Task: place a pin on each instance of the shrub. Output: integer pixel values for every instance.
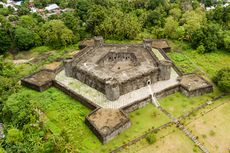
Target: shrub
(222, 79)
(212, 133)
(14, 136)
(201, 49)
(151, 138)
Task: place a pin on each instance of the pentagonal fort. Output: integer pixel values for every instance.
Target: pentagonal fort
(116, 70)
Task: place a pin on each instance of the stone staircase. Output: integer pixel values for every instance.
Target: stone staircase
(193, 138)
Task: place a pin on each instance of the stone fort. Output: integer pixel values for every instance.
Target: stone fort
(116, 70)
(115, 79)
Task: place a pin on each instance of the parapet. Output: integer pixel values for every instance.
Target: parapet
(165, 69)
(68, 66)
(147, 43)
(98, 41)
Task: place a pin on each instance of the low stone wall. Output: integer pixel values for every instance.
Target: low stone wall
(196, 92)
(116, 130)
(33, 84)
(168, 91)
(136, 105)
(173, 65)
(141, 103)
(76, 96)
(36, 87)
(93, 128)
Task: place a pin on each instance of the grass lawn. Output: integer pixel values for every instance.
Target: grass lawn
(177, 104)
(188, 60)
(63, 112)
(212, 128)
(170, 140)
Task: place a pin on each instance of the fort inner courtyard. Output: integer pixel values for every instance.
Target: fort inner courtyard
(115, 79)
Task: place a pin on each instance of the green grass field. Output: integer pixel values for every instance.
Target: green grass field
(168, 140)
(211, 125)
(189, 61)
(64, 113)
(177, 104)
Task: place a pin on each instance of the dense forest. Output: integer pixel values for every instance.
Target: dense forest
(187, 21)
(116, 19)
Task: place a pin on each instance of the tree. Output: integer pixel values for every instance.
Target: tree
(27, 21)
(176, 13)
(209, 36)
(5, 41)
(222, 79)
(170, 28)
(6, 35)
(56, 34)
(151, 138)
(73, 23)
(226, 39)
(22, 10)
(192, 21)
(118, 25)
(24, 38)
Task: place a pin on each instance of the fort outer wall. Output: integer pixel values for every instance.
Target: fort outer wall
(113, 89)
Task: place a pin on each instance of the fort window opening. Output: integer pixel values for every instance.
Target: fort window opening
(148, 82)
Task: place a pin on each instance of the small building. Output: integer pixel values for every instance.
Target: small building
(210, 8)
(226, 5)
(161, 44)
(19, 3)
(52, 7)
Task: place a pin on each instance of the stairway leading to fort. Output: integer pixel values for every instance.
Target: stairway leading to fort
(153, 98)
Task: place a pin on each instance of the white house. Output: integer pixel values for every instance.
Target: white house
(52, 7)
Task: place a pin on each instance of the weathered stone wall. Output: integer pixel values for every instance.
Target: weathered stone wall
(141, 103)
(88, 79)
(139, 82)
(136, 105)
(165, 70)
(173, 65)
(168, 91)
(102, 137)
(116, 132)
(112, 90)
(68, 64)
(37, 87)
(86, 102)
(116, 57)
(196, 92)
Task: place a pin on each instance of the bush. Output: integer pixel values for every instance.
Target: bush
(151, 138)
(212, 133)
(14, 136)
(201, 49)
(222, 79)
